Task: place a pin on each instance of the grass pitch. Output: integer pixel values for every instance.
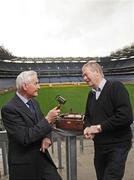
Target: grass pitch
(76, 97)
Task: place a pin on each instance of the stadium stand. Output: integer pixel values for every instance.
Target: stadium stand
(119, 65)
(58, 72)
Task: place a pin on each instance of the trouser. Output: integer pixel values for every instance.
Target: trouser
(109, 160)
(50, 172)
(43, 170)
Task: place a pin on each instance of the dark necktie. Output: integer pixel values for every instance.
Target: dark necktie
(32, 108)
(96, 90)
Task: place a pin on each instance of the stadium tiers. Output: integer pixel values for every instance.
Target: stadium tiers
(49, 60)
(60, 71)
(10, 82)
(57, 67)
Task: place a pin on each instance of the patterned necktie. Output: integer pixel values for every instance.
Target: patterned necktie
(31, 106)
(32, 109)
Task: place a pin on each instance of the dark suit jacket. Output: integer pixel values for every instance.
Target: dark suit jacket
(25, 134)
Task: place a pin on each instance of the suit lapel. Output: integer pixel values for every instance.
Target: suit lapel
(22, 106)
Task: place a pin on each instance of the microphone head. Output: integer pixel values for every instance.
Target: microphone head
(60, 99)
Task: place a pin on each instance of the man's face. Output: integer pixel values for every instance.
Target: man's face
(90, 77)
(31, 88)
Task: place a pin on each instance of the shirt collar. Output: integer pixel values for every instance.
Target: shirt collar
(102, 83)
(22, 97)
(100, 87)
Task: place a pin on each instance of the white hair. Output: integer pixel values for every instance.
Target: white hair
(93, 66)
(24, 77)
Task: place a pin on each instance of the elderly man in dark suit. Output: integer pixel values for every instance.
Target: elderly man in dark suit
(28, 132)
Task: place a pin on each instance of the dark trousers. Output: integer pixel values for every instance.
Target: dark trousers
(50, 172)
(109, 160)
(45, 170)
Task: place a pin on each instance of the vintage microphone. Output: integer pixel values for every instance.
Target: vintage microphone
(60, 100)
(73, 121)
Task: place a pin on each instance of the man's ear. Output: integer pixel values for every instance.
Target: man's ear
(24, 86)
(97, 72)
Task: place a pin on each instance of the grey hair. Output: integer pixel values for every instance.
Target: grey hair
(24, 77)
(93, 66)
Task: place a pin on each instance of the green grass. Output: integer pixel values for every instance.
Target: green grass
(76, 98)
(130, 88)
(5, 97)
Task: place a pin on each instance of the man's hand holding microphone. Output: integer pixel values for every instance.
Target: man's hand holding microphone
(52, 115)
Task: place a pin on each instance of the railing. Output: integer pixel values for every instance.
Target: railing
(4, 147)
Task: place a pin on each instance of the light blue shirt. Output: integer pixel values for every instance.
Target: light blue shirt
(100, 87)
(22, 98)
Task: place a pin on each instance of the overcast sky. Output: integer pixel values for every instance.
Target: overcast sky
(55, 28)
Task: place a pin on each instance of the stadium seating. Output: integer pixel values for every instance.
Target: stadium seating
(59, 70)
